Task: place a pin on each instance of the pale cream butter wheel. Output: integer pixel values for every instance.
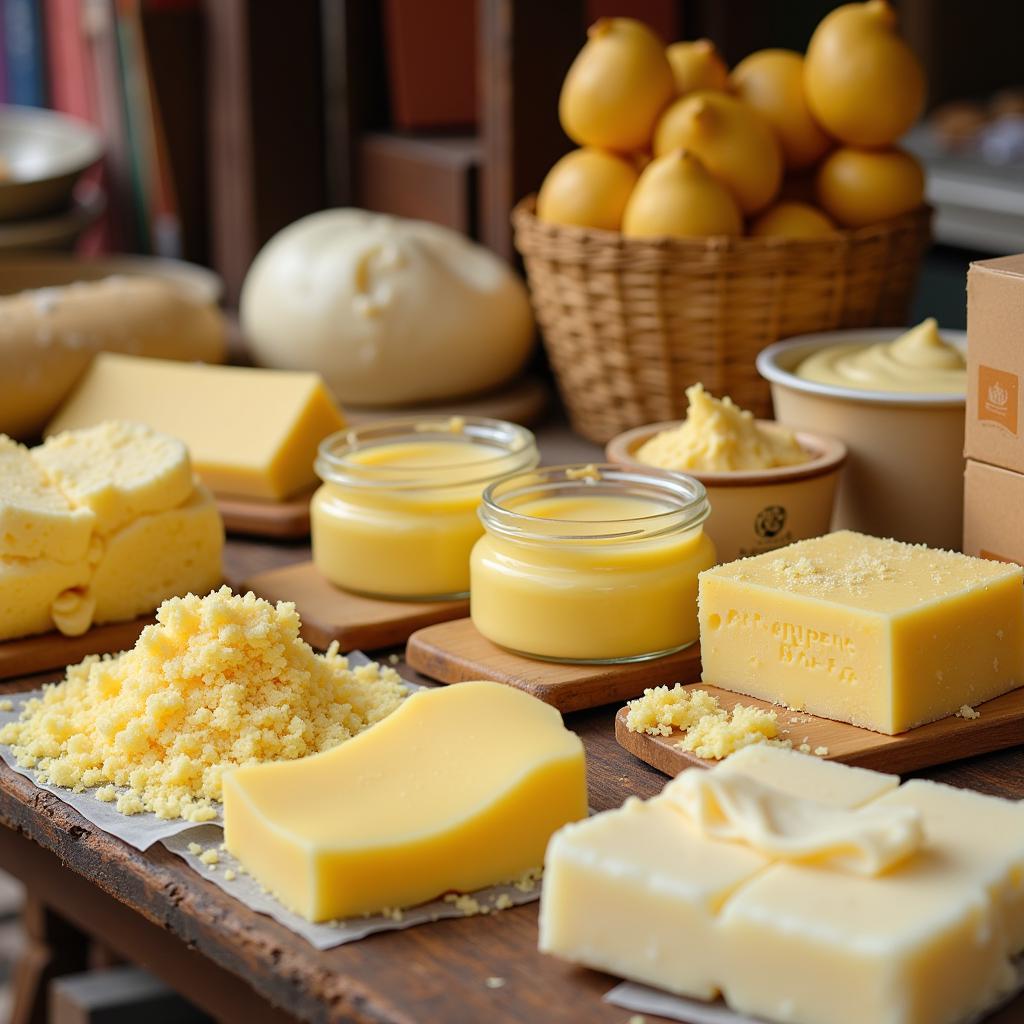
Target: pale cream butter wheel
(389, 311)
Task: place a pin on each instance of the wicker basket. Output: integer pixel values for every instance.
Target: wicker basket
(629, 324)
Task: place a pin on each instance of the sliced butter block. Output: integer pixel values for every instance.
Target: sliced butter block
(877, 633)
(916, 945)
(636, 892)
(827, 782)
(29, 590)
(984, 833)
(901, 909)
(459, 788)
(623, 888)
(117, 470)
(252, 433)
(36, 520)
(178, 549)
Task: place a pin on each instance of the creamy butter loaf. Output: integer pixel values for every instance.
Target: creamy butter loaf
(874, 632)
(101, 525)
(48, 337)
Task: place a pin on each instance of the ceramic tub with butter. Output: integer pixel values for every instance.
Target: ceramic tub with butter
(905, 471)
(757, 510)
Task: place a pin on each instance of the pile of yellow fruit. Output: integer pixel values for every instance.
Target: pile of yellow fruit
(786, 144)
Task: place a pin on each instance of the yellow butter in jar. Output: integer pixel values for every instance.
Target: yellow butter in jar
(396, 516)
(591, 564)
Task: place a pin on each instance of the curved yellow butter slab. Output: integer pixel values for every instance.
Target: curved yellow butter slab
(458, 789)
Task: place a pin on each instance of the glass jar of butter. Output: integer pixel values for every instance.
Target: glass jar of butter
(396, 514)
(590, 563)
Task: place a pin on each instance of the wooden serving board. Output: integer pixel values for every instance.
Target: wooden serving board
(455, 652)
(279, 519)
(1001, 725)
(29, 654)
(329, 613)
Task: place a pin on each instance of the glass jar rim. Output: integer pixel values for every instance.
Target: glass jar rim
(687, 493)
(513, 449)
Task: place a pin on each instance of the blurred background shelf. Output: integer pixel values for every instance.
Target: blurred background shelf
(444, 110)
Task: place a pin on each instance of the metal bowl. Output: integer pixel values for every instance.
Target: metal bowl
(42, 156)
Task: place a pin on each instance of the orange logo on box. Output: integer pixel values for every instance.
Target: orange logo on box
(997, 397)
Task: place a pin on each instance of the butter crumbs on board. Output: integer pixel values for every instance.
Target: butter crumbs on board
(216, 682)
(709, 731)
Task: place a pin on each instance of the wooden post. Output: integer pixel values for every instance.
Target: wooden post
(526, 46)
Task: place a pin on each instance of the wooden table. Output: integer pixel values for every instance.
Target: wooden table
(237, 965)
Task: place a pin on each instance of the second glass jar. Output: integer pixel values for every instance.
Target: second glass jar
(591, 563)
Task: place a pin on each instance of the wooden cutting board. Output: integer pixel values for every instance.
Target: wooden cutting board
(329, 613)
(29, 654)
(1001, 725)
(279, 519)
(455, 652)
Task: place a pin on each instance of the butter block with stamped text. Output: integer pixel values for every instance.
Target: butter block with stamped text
(884, 635)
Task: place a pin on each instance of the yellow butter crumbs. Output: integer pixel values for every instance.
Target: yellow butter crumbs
(216, 682)
(967, 712)
(709, 731)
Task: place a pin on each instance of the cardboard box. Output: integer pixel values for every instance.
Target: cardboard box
(993, 525)
(995, 362)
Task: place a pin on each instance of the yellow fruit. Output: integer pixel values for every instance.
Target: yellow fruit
(733, 140)
(863, 83)
(617, 86)
(697, 65)
(587, 187)
(677, 196)
(772, 82)
(640, 158)
(792, 220)
(864, 186)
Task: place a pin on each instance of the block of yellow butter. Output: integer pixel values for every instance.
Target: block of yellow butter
(458, 789)
(250, 432)
(101, 525)
(895, 906)
(637, 891)
(874, 632)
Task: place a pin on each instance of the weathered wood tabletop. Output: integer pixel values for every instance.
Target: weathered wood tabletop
(240, 966)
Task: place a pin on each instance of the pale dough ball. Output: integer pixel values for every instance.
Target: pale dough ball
(390, 311)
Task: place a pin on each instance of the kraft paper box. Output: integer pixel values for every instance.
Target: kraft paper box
(993, 525)
(995, 362)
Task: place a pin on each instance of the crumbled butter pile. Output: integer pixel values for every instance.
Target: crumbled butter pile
(217, 682)
(718, 436)
(709, 731)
